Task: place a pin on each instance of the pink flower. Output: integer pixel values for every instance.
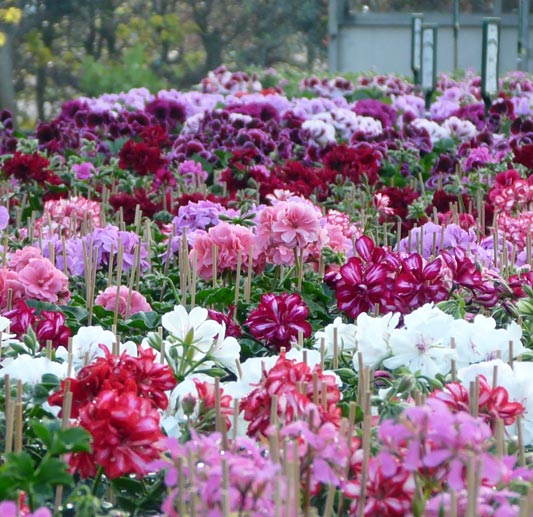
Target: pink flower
(9, 280)
(230, 239)
(42, 281)
(20, 259)
(278, 319)
(109, 300)
(83, 170)
(297, 224)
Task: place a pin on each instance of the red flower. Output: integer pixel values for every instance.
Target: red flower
(278, 319)
(355, 161)
(26, 167)
(52, 327)
(232, 328)
(140, 157)
(125, 435)
(493, 402)
(140, 375)
(292, 383)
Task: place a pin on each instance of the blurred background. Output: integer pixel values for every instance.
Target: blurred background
(53, 50)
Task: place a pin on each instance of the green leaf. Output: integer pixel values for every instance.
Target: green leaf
(74, 439)
(53, 471)
(42, 432)
(20, 465)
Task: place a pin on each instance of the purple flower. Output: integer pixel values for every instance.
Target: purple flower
(83, 170)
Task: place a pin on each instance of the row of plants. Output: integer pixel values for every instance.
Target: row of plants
(230, 301)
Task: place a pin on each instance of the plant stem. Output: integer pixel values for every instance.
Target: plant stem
(97, 479)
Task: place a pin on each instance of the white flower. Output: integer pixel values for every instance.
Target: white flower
(480, 340)
(225, 350)
(461, 129)
(320, 133)
(30, 369)
(86, 345)
(372, 337)
(424, 344)
(192, 328)
(345, 338)
(436, 131)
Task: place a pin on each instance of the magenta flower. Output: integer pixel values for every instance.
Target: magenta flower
(278, 319)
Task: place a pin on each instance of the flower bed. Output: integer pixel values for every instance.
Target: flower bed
(232, 302)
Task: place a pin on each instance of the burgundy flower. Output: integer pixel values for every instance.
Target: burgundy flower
(51, 327)
(354, 162)
(22, 318)
(140, 157)
(278, 319)
(524, 155)
(233, 329)
(26, 167)
(418, 283)
(366, 282)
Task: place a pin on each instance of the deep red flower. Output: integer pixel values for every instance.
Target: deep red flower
(292, 383)
(129, 202)
(355, 161)
(25, 167)
(278, 319)
(141, 157)
(233, 329)
(126, 436)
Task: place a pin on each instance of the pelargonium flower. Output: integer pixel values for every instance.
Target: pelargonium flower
(366, 282)
(125, 435)
(124, 301)
(140, 375)
(51, 327)
(493, 403)
(389, 488)
(254, 480)
(283, 380)
(279, 319)
(342, 333)
(438, 444)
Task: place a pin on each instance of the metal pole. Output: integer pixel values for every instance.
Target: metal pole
(523, 35)
(455, 35)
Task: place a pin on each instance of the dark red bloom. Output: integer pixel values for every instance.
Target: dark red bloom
(355, 161)
(140, 157)
(51, 326)
(25, 167)
(233, 329)
(126, 435)
(278, 319)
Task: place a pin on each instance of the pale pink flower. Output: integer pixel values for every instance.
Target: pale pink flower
(68, 216)
(230, 239)
(109, 300)
(42, 281)
(20, 259)
(297, 224)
